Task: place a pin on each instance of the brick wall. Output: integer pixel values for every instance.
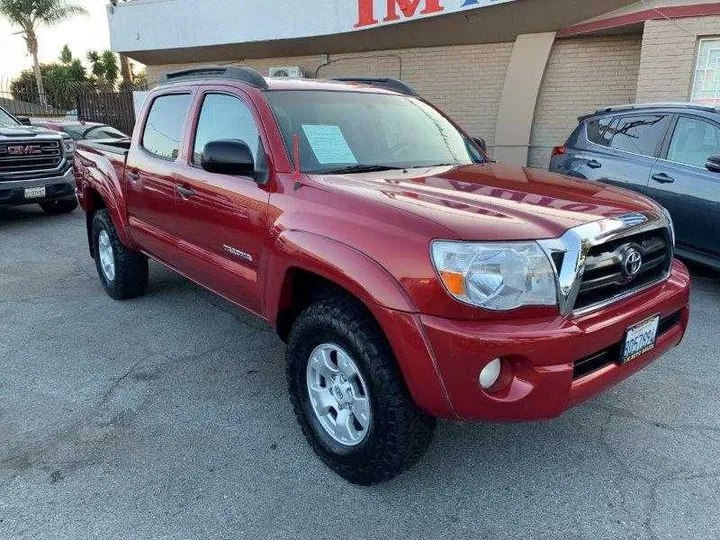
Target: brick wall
(668, 57)
(466, 81)
(582, 74)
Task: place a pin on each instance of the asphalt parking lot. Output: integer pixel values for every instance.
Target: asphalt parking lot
(167, 417)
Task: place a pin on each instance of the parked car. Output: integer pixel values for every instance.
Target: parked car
(411, 277)
(82, 131)
(667, 151)
(35, 166)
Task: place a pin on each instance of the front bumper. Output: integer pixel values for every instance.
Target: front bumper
(543, 372)
(12, 192)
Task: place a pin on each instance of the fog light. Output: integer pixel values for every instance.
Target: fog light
(490, 373)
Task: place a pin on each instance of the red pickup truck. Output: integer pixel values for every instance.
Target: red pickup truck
(411, 277)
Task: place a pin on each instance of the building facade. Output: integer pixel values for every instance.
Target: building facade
(515, 72)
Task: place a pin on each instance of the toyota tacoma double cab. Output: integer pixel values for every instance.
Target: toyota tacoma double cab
(35, 166)
(411, 277)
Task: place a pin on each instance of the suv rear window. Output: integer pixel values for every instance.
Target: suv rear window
(164, 126)
(599, 130)
(637, 134)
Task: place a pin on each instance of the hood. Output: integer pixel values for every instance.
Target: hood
(9, 133)
(492, 201)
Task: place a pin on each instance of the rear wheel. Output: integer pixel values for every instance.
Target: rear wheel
(349, 396)
(123, 272)
(63, 206)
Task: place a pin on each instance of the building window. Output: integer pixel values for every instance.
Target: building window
(706, 88)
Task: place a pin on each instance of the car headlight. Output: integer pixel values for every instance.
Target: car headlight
(68, 146)
(498, 275)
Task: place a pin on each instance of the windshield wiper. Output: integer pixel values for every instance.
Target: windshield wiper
(360, 168)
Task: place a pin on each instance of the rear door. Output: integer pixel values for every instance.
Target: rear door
(682, 184)
(152, 164)
(222, 219)
(620, 149)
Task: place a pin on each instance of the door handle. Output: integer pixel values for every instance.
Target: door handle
(594, 164)
(132, 176)
(184, 192)
(663, 178)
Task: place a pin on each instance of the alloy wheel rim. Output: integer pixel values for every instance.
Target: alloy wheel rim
(338, 394)
(107, 258)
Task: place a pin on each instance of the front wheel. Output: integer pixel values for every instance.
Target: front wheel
(62, 206)
(123, 272)
(349, 396)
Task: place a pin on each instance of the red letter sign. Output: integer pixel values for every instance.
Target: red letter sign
(366, 16)
(409, 7)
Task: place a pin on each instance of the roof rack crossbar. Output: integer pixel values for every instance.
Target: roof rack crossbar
(395, 85)
(235, 73)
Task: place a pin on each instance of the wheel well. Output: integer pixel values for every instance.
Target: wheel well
(299, 290)
(95, 203)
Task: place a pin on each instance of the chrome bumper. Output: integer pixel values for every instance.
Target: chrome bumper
(67, 178)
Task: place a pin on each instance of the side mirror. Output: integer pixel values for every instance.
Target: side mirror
(481, 143)
(24, 120)
(230, 156)
(713, 164)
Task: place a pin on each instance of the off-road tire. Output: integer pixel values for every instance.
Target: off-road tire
(399, 432)
(61, 206)
(131, 267)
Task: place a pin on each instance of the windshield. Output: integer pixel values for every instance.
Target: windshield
(354, 132)
(6, 119)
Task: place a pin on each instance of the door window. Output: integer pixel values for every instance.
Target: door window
(694, 141)
(639, 134)
(226, 117)
(164, 126)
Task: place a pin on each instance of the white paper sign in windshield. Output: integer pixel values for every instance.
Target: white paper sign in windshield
(328, 144)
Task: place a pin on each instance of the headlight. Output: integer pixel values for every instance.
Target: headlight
(496, 276)
(68, 146)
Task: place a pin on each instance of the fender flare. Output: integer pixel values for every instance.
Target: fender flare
(335, 261)
(108, 188)
(377, 289)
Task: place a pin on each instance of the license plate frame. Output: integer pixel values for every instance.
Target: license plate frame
(35, 192)
(639, 339)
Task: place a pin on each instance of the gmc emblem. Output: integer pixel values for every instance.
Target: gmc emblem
(24, 150)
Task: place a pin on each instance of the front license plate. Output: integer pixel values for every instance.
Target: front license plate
(639, 339)
(34, 192)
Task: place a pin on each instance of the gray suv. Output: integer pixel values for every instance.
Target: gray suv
(667, 151)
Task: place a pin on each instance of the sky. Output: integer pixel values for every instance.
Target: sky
(80, 33)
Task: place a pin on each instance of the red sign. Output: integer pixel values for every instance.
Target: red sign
(408, 8)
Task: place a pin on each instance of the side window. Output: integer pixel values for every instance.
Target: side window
(639, 134)
(226, 117)
(600, 130)
(164, 126)
(694, 141)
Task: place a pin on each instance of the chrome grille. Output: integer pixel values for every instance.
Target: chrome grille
(591, 260)
(43, 155)
(604, 278)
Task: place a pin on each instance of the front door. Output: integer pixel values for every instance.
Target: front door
(222, 219)
(150, 176)
(689, 191)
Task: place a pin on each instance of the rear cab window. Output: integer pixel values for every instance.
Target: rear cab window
(163, 131)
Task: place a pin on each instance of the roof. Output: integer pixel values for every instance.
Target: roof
(283, 83)
(648, 106)
(659, 105)
(199, 75)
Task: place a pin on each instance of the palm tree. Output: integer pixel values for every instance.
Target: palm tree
(29, 15)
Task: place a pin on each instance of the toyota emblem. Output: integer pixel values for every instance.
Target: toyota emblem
(631, 262)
